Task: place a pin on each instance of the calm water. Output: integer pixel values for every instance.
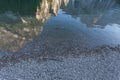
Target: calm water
(61, 24)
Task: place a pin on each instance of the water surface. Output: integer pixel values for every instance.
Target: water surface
(58, 24)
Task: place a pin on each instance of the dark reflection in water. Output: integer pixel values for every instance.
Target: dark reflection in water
(22, 21)
(23, 7)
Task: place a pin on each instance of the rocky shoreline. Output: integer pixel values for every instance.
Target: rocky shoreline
(17, 57)
(100, 63)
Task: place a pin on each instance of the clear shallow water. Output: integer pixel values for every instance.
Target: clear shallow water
(58, 24)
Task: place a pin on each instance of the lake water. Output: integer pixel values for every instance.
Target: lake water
(58, 25)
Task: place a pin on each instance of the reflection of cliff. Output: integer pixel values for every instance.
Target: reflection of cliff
(93, 12)
(19, 25)
(49, 7)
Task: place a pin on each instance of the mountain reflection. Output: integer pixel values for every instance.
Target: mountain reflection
(94, 12)
(22, 21)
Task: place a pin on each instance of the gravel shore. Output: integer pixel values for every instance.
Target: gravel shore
(101, 63)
